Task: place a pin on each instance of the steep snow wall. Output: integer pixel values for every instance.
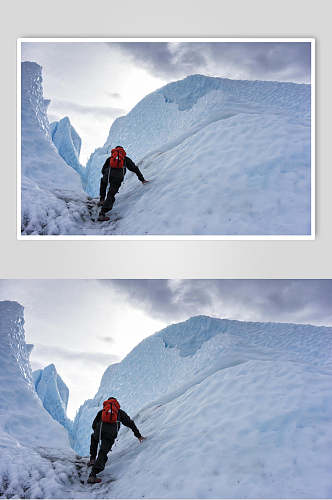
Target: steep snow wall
(182, 355)
(24, 422)
(225, 157)
(53, 393)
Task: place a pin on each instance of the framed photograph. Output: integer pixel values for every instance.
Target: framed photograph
(206, 138)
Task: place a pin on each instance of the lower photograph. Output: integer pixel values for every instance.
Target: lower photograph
(165, 388)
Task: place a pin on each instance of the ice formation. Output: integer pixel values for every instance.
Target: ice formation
(68, 143)
(48, 184)
(225, 157)
(24, 422)
(53, 393)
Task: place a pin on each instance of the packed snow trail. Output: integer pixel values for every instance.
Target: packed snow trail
(226, 157)
(60, 213)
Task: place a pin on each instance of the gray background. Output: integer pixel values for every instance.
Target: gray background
(166, 259)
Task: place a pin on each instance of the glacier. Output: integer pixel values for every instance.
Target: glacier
(52, 198)
(28, 434)
(235, 406)
(225, 157)
(230, 409)
(53, 393)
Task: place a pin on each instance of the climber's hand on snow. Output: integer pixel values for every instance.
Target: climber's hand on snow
(141, 439)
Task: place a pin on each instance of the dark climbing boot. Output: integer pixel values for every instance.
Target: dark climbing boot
(101, 202)
(92, 479)
(91, 462)
(102, 217)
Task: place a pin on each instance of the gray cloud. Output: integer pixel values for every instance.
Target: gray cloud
(114, 95)
(91, 358)
(66, 107)
(302, 301)
(108, 340)
(284, 61)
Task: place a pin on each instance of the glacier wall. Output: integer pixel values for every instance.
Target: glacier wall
(183, 355)
(24, 421)
(180, 108)
(40, 160)
(49, 186)
(226, 157)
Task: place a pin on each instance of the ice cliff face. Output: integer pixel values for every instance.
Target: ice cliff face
(40, 160)
(68, 143)
(225, 157)
(49, 184)
(53, 393)
(183, 355)
(24, 422)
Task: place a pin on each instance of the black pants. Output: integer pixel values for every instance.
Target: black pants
(115, 182)
(105, 448)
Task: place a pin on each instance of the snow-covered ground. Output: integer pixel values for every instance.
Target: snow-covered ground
(225, 157)
(230, 410)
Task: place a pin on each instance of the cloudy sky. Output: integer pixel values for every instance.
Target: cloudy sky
(95, 82)
(82, 326)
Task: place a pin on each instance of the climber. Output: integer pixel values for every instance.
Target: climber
(113, 173)
(105, 429)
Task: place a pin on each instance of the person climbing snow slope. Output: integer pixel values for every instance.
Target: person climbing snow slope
(113, 173)
(105, 429)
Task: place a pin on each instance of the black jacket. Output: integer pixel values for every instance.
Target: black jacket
(112, 429)
(119, 172)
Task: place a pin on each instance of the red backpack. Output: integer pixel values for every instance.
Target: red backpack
(110, 411)
(117, 158)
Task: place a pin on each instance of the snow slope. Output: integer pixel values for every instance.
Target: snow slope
(225, 157)
(231, 410)
(53, 393)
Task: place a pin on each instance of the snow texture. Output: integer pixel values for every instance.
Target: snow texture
(53, 393)
(230, 410)
(225, 157)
